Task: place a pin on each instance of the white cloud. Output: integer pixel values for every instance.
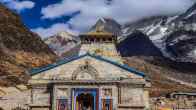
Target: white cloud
(50, 31)
(121, 10)
(60, 9)
(19, 5)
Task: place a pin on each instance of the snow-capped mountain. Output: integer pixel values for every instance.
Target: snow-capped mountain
(174, 36)
(63, 42)
(68, 43)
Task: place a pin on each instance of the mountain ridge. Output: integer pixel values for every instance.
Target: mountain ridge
(160, 29)
(20, 49)
(62, 43)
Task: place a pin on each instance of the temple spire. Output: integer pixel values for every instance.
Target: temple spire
(101, 43)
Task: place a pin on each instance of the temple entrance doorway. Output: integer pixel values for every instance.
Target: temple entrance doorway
(85, 99)
(85, 102)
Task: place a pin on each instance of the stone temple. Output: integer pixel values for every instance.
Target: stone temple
(96, 79)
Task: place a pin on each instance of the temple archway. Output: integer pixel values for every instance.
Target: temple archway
(85, 72)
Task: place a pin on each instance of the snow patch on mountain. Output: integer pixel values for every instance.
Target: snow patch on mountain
(170, 19)
(194, 52)
(191, 14)
(157, 36)
(63, 42)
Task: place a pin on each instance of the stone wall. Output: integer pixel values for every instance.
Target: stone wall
(40, 108)
(132, 98)
(40, 96)
(14, 98)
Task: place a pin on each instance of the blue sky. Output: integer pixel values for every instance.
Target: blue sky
(48, 17)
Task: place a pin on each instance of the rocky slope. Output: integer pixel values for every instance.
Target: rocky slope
(20, 49)
(164, 80)
(137, 44)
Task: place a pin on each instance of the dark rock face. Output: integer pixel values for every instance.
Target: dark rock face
(182, 44)
(138, 44)
(20, 49)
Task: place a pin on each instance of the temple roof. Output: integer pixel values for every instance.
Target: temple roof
(64, 61)
(98, 33)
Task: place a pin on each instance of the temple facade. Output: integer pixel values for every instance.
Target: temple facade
(96, 79)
